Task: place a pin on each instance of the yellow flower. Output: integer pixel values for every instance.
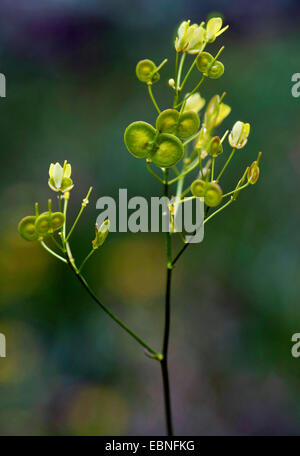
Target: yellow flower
(239, 135)
(194, 103)
(60, 180)
(190, 38)
(214, 29)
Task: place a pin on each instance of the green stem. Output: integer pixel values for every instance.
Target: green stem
(236, 189)
(83, 206)
(153, 173)
(85, 260)
(192, 66)
(184, 173)
(52, 252)
(177, 81)
(191, 138)
(192, 92)
(82, 280)
(164, 361)
(226, 164)
(152, 97)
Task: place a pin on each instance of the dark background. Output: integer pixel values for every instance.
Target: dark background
(71, 91)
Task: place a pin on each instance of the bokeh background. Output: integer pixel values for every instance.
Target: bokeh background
(71, 91)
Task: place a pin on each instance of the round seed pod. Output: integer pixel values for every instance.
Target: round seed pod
(188, 124)
(204, 60)
(197, 187)
(144, 71)
(139, 138)
(43, 225)
(182, 125)
(216, 70)
(26, 228)
(212, 194)
(167, 121)
(168, 150)
(57, 220)
(253, 173)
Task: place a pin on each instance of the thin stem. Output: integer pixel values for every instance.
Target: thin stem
(191, 138)
(184, 173)
(164, 361)
(152, 97)
(192, 66)
(217, 211)
(236, 189)
(226, 164)
(59, 201)
(85, 260)
(213, 168)
(153, 173)
(177, 81)
(52, 252)
(82, 280)
(56, 243)
(83, 205)
(192, 92)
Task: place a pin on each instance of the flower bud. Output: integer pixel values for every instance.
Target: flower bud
(101, 234)
(171, 83)
(215, 147)
(239, 135)
(253, 173)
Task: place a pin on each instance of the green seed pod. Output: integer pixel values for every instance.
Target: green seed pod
(204, 60)
(144, 71)
(168, 150)
(253, 173)
(139, 137)
(167, 121)
(188, 124)
(26, 228)
(215, 147)
(182, 125)
(197, 187)
(216, 70)
(212, 194)
(57, 220)
(43, 224)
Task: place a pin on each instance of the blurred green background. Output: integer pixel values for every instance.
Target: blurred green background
(71, 91)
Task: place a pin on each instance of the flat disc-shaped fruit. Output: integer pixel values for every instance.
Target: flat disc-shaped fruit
(138, 138)
(197, 187)
(216, 70)
(212, 194)
(182, 125)
(204, 60)
(57, 220)
(168, 150)
(43, 224)
(26, 228)
(188, 124)
(144, 71)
